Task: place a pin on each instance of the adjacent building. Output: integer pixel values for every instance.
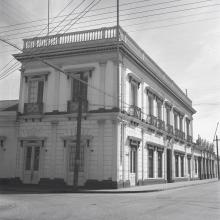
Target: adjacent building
(137, 124)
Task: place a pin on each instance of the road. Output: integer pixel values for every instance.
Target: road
(195, 202)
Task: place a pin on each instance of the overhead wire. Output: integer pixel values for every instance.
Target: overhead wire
(84, 13)
(57, 68)
(97, 9)
(6, 74)
(3, 75)
(122, 10)
(171, 25)
(133, 18)
(69, 14)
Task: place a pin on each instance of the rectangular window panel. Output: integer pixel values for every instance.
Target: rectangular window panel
(133, 160)
(182, 166)
(189, 166)
(151, 107)
(72, 152)
(195, 165)
(28, 158)
(175, 121)
(159, 110)
(76, 84)
(32, 91)
(133, 94)
(36, 158)
(187, 127)
(177, 165)
(151, 163)
(181, 123)
(168, 115)
(40, 91)
(160, 164)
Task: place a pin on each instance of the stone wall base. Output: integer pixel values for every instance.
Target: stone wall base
(52, 182)
(181, 179)
(103, 184)
(10, 181)
(151, 181)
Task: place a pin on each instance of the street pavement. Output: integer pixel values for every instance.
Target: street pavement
(200, 202)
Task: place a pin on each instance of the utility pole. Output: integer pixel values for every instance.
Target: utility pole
(48, 17)
(216, 139)
(217, 156)
(78, 138)
(118, 62)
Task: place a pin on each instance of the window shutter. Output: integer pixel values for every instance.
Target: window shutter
(40, 91)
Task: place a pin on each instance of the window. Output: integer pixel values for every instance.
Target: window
(195, 165)
(134, 89)
(151, 105)
(168, 116)
(177, 165)
(76, 88)
(151, 162)
(187, 126)
(72, 151)
(182, 166)
(189, 166)
(175, 121)
(159, 110)
(35, 91)
(181, 123)
(160, 163)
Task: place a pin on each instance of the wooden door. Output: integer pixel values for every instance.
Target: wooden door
(31, 168)
(133, 166)
(71, 152)
(169, 165)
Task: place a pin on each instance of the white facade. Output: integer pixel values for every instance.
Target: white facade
(136, 123)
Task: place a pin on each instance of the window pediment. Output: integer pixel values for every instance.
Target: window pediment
(87, 71)
(39, 75)
(134, 79)
(178, 112)
(168, 105)
(154, 146)
(153, 93)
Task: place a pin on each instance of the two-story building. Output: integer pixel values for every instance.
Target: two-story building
(136, 126)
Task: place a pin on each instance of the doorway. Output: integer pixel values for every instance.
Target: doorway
(133, 165)
(169, 165)
(71, 153)
(31, 166)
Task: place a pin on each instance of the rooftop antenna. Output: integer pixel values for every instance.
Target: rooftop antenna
(186, 93)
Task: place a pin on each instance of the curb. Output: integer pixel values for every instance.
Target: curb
(9, 190)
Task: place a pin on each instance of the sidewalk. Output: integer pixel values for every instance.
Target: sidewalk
(153, 188)
(137, 189)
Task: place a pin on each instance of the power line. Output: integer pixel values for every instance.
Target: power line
(98, 9)
(84, 13)
(124, 10)
(4, 74)
(6, 65)
(169, 19)
(171, 25)
(93, 15)
(69, 14)
(72, 24)
(134, 18)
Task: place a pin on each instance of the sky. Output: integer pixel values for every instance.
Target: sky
(182, 36)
